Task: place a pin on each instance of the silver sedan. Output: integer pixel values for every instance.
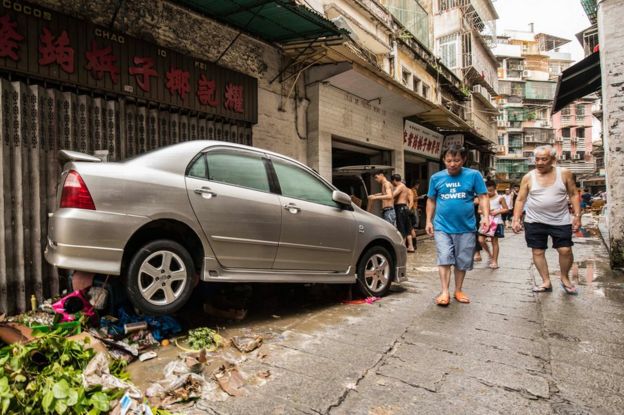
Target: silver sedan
(214, 211)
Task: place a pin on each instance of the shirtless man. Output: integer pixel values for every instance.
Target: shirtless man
(386, 197)
(403, 197)
(545, 193)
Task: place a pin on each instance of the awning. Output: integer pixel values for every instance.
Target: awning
(279, 21)
(579, 80)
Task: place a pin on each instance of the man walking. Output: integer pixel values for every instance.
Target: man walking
(386, 197)
(546, 192)
(402, 198)
(450, 199)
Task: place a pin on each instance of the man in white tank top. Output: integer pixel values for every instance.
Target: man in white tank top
(546, 192)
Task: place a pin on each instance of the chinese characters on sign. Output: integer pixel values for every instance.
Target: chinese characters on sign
(56, 50)
(85, 55)
(9, 38)
(421, 140)
(449, 140)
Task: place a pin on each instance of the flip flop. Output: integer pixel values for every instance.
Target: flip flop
(461, 297)
(492, 266)
(569, 290)
(542, 289)
(442, 300)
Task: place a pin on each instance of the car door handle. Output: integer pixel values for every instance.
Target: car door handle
(205, 192)
(292, 208)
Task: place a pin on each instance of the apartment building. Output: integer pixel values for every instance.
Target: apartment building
(463, 30)
(530, 64)
(573, 137)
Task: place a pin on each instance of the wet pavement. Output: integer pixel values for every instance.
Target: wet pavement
(509, 351)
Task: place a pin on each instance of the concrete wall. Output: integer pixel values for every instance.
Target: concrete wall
(172, 26)
(611, 35)
(338, 114)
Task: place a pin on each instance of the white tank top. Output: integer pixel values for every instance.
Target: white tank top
(548, 205)
(495, 204)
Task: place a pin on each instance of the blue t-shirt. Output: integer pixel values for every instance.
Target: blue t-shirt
(454, 196)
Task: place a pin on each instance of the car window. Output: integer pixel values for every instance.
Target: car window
(199, 168)
(297, 183)
(239, 169)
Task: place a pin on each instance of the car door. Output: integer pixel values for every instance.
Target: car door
(230, 192)
(317, 234)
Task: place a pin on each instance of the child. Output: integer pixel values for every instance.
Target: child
(498, 207)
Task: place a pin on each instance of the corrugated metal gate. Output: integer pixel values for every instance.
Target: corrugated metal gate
(36, 122)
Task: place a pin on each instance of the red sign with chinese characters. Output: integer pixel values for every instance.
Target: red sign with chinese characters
(71, 51)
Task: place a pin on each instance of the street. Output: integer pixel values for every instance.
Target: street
(509, 351)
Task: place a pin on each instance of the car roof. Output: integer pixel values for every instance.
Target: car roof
(168, 158)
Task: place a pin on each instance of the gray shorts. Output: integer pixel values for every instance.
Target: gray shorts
(455, 249)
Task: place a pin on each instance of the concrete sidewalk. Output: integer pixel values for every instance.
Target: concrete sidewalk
(509, 351)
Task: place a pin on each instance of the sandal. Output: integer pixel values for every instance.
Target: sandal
(442, 300)
(493, 265)
(461, 297)
(569, 290)
(542, 289)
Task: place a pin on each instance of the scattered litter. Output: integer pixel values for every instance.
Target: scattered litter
(161, 327)
(276, 316)
(247, 344)
(73, 304)
(11, 333)
(231, 381)
(367, 300)
(97, 374)
(147, 356)
(203, 338)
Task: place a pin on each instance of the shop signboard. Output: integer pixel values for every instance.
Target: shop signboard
(46, 45)
(457, 139)
(420, 140)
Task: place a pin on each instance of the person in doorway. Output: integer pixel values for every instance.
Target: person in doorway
(546, 191)
(386, 197)
(451, 219)
(403, 197)
(509, 214)
(498, 208)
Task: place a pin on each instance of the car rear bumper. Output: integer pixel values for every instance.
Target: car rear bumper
(89, 240)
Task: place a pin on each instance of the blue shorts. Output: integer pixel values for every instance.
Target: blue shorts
(455, 249)
(389, 214)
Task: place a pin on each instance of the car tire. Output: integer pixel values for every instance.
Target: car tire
(160, 277)
(375, 272)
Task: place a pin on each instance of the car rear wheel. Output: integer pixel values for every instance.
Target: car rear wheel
(374, 272)
(160, 277)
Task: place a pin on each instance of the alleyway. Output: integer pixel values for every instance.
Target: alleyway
(510, 351)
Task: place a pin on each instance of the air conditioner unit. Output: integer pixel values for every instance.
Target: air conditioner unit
(576, 157)
(526, 74)
(528, 138)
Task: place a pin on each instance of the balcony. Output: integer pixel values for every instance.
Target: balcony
(484, 96)
(568, 121)
(540, 90)
(539, 135)
(578, 166)
(502, 124)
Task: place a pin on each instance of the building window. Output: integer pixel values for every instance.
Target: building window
(417, 85)
(406, 77)
(425, 90)
(580, 110)
(448, 48)
(565, 132)
(580, 133)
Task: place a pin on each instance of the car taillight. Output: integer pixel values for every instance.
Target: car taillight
(75, 193)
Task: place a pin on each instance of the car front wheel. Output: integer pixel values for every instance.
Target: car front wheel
(160, 277)
(374, 272)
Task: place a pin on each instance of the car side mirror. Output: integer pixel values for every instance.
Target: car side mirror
(341, 198)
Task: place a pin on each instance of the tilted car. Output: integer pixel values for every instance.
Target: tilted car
(219, 212)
